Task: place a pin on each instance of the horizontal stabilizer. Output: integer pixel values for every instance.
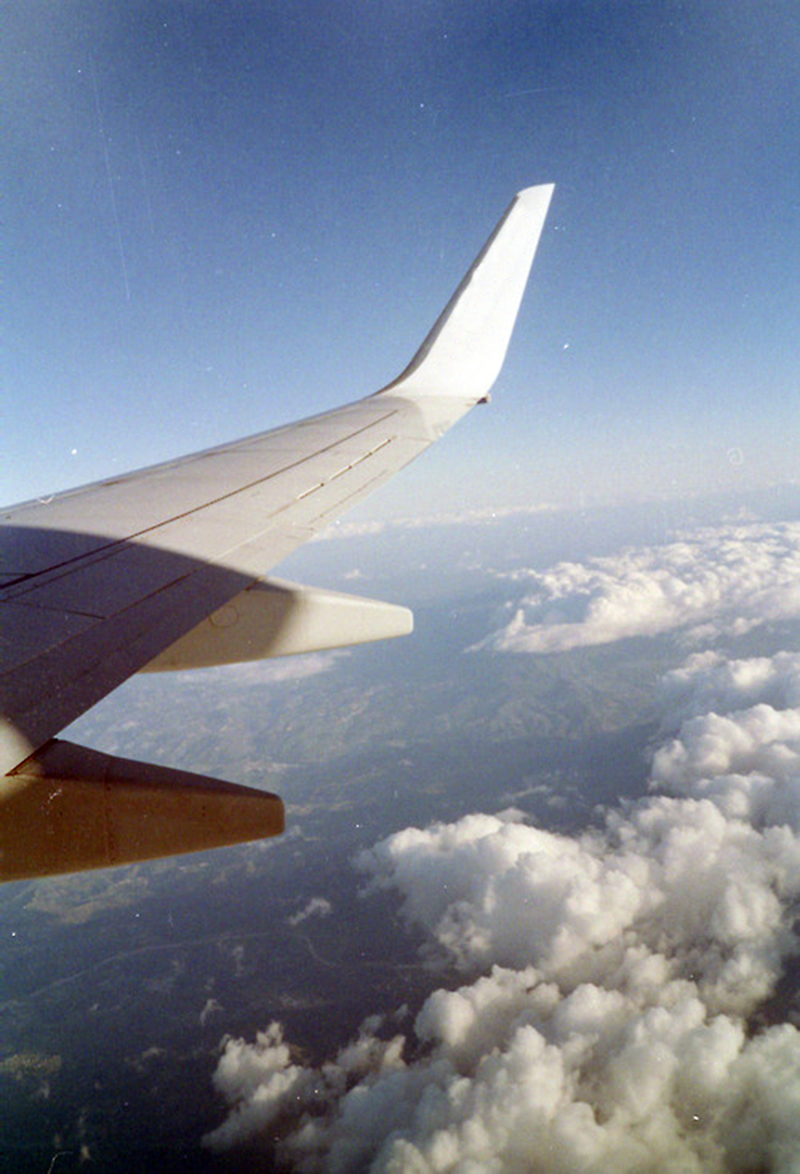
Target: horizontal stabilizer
(69, 809)
(274, 618)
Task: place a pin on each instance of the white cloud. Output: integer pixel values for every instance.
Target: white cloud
(210, 1007)
(256, 1078)
(738, 738)
(726, 579)
(707, 681)
(316, 907)
(488, 515)
(610, 981)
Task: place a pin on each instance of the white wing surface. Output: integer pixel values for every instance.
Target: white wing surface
(168, 568)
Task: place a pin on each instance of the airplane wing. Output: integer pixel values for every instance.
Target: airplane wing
(167, 568)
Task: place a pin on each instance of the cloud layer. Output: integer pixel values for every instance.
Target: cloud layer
(606, 1016)
(725, 579)
(472, 517)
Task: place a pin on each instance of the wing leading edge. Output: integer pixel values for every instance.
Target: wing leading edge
(169, 566)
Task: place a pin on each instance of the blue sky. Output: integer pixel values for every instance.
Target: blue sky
(220, 217)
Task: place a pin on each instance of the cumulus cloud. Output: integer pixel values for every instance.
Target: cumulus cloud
(606, 1010)
(738, 740)
(708, 681)
(257, 1078)
(316, 907)
(726, 579)
(609, 978)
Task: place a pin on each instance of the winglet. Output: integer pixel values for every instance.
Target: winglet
(464, 351)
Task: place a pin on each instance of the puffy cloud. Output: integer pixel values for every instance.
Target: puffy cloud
(674, 876)
(492, 889)
(738, 740)
(316, 907)
(585, 1081)
(606, 1015)
(609, 978)
(708, 681)
(724, 579)
(257, 1078)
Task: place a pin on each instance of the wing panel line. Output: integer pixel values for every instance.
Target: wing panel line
(28, 581)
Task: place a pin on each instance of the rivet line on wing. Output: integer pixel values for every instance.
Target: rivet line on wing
(336, 507)
(346, 469)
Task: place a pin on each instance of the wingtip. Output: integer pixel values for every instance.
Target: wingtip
(537, 192)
